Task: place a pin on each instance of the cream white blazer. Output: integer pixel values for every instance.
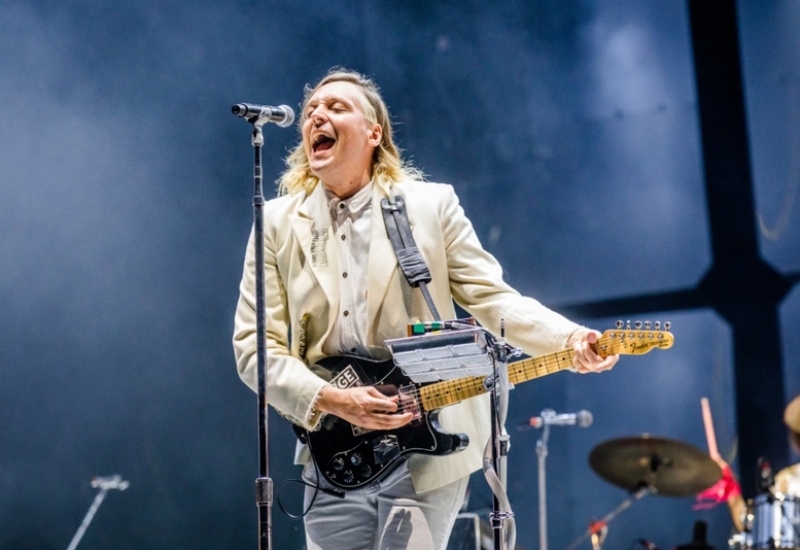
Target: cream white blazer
(302, 300)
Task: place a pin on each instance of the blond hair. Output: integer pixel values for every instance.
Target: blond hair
(388, 167)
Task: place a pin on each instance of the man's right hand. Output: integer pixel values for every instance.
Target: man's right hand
(363, 406)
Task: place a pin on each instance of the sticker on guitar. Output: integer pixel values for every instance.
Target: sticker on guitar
(348, 378)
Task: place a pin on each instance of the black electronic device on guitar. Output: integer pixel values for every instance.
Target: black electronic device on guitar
(349, 456)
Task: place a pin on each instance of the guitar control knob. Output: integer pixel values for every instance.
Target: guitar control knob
(338, 463)
(348, 477)
(355, 459)
(366, 471)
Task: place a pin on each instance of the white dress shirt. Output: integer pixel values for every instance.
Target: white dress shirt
(352, 224)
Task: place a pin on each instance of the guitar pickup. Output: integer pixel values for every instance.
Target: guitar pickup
(408, 401)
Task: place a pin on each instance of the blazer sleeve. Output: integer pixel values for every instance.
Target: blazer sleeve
(476, 283)
(292, 389)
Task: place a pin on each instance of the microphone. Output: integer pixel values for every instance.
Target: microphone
(281, 115)
(110, 482)
(549, 417)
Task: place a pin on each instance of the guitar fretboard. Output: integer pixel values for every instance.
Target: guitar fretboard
(441, 394)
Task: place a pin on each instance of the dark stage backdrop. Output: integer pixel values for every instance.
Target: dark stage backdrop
(569, 129)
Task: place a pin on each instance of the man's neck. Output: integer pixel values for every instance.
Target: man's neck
(347, 189)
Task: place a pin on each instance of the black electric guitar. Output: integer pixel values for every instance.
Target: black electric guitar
(349, 456)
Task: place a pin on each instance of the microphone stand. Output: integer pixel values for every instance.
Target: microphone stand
(258, 115)
(264, 482)
(499, 442)
(104, 484)
(541, 453)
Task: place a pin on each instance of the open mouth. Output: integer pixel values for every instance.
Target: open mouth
(322, 142)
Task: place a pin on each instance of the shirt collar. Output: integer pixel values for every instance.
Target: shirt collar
(354, 204)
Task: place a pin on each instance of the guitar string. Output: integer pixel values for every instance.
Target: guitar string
(471, 387)
(464, 388)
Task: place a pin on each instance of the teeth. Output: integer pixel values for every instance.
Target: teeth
(319, 136)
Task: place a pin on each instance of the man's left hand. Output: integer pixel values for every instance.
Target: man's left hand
(585, 359)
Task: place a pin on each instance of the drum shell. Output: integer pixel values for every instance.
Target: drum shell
(776, 522)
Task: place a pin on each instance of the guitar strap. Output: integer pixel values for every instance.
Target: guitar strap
(411, 262)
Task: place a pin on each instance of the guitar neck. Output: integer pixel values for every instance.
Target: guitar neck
(448, 392)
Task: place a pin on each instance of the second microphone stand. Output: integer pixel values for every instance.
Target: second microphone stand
(541, 453)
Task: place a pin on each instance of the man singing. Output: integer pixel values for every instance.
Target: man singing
(334, 287)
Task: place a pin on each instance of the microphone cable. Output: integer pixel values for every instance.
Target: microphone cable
(317, 488)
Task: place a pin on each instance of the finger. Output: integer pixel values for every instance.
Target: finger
(374, 393)
(380, 421)
(382, 406)
(392, 421)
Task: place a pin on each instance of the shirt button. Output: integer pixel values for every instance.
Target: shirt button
(343, 237)
(352, 350)
(344, 274)
(342, 205)
(346, 313)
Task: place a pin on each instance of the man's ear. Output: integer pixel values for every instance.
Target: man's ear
(376, 135)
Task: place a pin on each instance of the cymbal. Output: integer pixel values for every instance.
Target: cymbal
(792, 415)
(787, 481)
(672, 468)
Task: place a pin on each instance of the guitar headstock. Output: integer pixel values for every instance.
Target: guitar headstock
(636, 340)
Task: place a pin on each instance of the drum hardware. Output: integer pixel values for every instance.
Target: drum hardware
(598, 529)
(776, 522)
(648, 465)
(670, 467)
(104, 484)
(740, 541)
(765, 478)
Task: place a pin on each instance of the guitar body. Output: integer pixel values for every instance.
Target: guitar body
(350, 457)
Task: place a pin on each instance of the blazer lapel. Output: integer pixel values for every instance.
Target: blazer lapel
(382, 261)
(312, 228)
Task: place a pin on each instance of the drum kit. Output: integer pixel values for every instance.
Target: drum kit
(772, 519)
(656, 466)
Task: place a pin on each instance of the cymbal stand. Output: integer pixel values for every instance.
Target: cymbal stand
(104, 484)
(598, 529)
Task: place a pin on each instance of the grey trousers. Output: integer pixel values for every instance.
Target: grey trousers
(388, 515)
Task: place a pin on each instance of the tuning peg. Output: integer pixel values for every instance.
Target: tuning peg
(647, 325)
(628, 325)
(658, 325)
(638, 325)
(667, 324)
(619, 325)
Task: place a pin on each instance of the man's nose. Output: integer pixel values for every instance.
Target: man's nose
(317, 116)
